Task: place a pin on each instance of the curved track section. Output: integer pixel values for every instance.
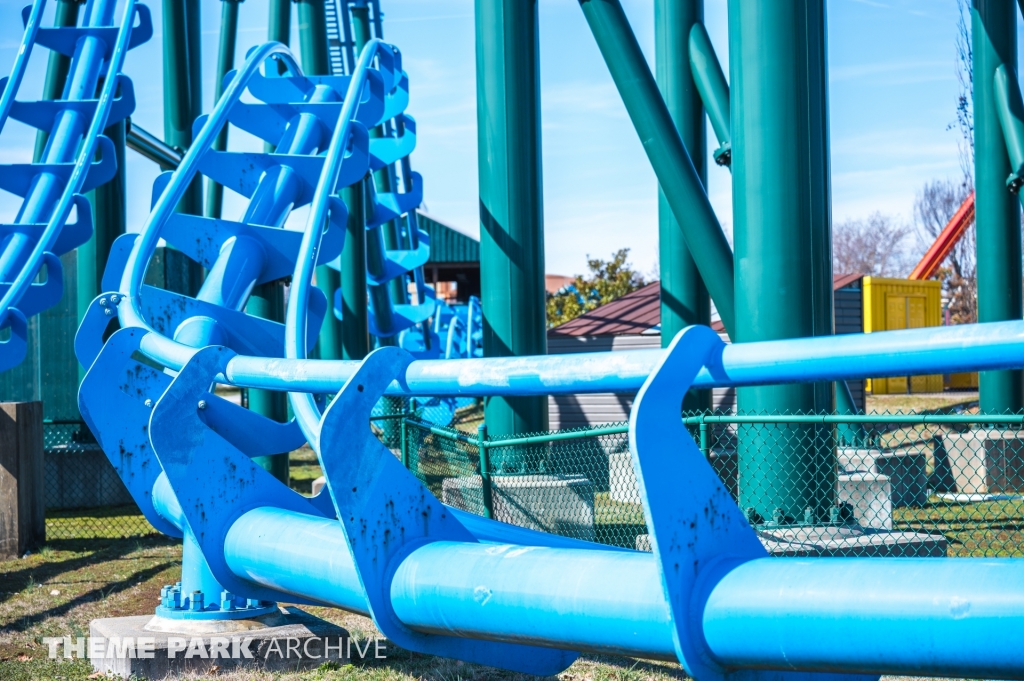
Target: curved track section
(95, 96)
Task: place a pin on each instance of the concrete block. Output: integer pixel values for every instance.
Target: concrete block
(560, 504)
(870, 495)
(318, 485)
(908, 477)
(986, 461)
(907, 472)
(853, 460)
(22, 512)
(154, 648)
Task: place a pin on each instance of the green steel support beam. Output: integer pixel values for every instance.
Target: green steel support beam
(713, 89)
(673, 166)
(714, 92)
(994, 38)
(355, 335)
(313, 38)
(225, 62)
(110, 213)
(267, 300)
(183, 96)
(511, 200)
(779, 114)
(316, 61)
(684, 298)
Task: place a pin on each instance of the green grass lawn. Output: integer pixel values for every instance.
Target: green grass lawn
(57, 591)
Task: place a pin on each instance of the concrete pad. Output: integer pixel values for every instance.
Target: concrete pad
(154, 647)
(559, 504)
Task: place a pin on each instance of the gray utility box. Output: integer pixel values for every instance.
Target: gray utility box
(986, 461)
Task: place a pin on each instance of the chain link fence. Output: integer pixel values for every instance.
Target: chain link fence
(878, 485)
(881, 484)
(85, 498)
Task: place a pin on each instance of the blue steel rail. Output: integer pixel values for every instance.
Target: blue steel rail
(52, 187)
(440, 581)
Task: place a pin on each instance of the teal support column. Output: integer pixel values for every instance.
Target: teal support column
(183, 95)
(267, 300)
(313, 38)
(994, 37)
(225, 62)
(279, 25)
(780, 164)
(672, 165)
(684, 298)
(355, 335)
(316, 61)
(511, 200)
(110, 215)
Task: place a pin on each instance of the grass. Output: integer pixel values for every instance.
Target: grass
(117, 577)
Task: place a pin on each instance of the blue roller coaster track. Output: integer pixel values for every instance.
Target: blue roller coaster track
(96, 95)
(376, 541)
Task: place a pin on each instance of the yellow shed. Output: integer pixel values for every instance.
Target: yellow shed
(891, 304)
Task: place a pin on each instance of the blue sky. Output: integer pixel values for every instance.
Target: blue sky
(893, 90)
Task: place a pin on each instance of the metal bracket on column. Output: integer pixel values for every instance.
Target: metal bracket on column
(387, 513)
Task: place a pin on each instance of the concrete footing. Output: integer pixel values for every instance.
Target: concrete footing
(154, 647)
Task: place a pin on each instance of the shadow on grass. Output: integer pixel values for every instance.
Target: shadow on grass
(134, 579)
(93, 551)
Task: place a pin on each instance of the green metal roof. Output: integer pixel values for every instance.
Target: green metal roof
(447, 244)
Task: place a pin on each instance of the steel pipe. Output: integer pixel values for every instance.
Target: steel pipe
(967, 347)
(151, 147)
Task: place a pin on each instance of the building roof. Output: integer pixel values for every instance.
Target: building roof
(640, 312)
(448, 244)
(633, 313)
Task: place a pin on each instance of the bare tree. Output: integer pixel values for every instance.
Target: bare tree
(965, 98)
(875, 246)
(933, 207)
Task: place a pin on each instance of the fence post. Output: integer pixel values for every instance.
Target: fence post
(485, 471)
(704, 439)
(405, 440)
(22, 492)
